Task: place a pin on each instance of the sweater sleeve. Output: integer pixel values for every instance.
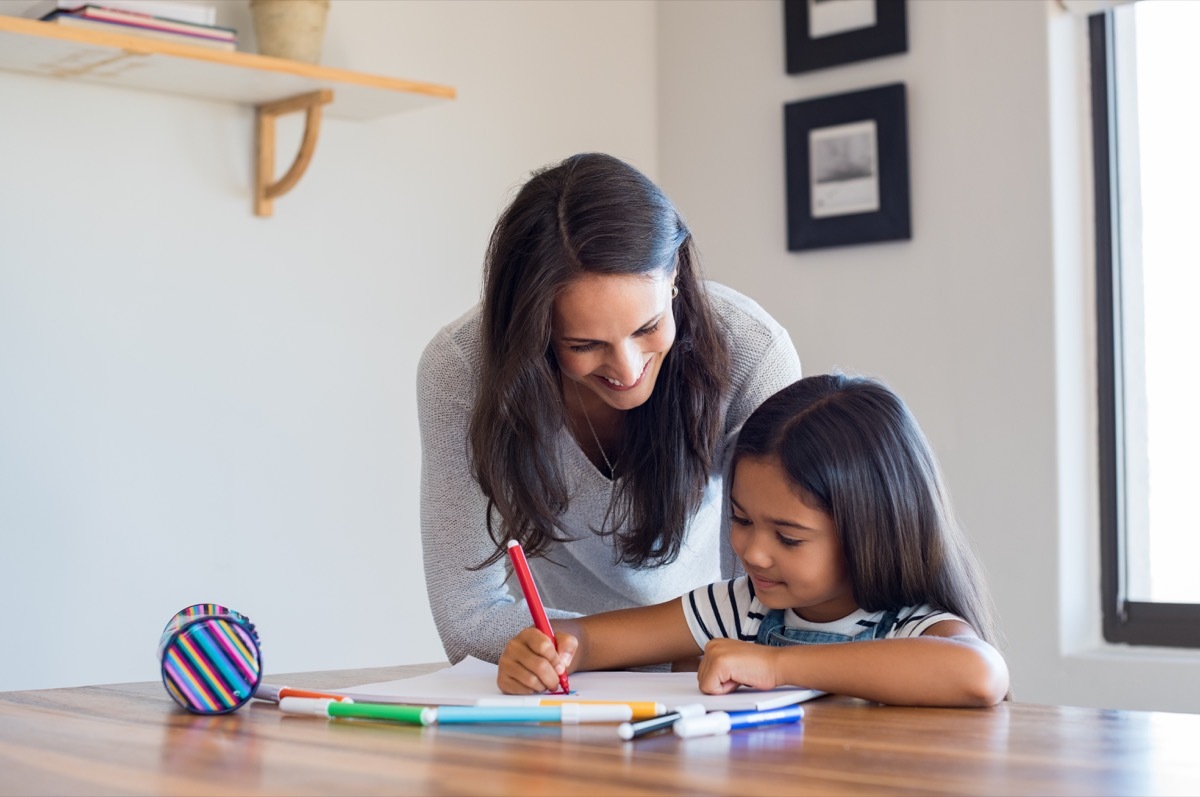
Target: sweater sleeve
(757, 379)
(474, 611)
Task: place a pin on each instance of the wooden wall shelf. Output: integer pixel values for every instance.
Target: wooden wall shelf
(136, 62)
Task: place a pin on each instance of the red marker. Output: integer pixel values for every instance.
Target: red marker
(540, 621)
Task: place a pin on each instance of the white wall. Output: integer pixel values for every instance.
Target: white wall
(196, 404)
(982, 320)
(200, 405)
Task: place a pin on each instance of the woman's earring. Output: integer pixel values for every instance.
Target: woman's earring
(674, 291)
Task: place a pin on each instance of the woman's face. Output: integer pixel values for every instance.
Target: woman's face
(610, 333)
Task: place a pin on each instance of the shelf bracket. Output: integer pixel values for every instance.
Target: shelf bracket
(266, 189)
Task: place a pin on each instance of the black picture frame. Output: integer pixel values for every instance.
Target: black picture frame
(806, 52)
(846, 164)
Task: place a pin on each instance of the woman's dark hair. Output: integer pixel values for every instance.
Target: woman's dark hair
(853, 450)
(593, 214)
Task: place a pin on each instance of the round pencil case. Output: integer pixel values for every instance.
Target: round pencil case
(210, 660)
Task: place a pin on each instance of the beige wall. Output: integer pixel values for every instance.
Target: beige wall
(982, 321)
(201, 405)
(198, 405)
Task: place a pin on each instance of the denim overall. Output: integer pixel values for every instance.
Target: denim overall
(773, 632)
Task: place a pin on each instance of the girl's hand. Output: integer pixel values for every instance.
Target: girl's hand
(530, 664)
(729, 663)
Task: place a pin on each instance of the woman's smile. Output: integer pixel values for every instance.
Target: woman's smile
(613, 384)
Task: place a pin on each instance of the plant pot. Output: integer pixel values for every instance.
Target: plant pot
(291, 29)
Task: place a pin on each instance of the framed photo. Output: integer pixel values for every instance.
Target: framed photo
(846, 158)
(821, 33)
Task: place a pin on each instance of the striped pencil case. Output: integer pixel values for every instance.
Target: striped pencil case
(210, 659)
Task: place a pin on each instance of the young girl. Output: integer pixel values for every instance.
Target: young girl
(842, 524)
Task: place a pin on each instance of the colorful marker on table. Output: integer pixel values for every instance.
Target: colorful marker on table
(642, 710)
(534, 601)
(632, 730)
(333, 709)
(567, 714)
(719, 722)
(274, 693)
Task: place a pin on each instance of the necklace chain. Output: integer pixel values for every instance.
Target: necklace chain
(612, 470)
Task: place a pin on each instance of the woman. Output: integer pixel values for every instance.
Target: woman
(585, 408)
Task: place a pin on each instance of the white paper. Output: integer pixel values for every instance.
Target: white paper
(472, 680)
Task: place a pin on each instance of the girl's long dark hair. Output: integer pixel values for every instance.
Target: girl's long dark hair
(853, 450)
(593, 214)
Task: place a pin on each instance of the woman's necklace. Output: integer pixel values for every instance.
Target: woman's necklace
(612, 470)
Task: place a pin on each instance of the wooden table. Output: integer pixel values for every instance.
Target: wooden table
(131, 739)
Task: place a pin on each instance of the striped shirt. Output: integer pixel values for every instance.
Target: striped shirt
(730, 610)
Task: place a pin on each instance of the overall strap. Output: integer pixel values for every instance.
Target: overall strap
(885, 624)
(772, 622)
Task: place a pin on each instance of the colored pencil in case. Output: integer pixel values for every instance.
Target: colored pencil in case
(275, 693)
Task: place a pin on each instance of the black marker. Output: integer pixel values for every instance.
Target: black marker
(632, 730)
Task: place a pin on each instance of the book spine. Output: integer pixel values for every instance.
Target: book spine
(135, 30)
(158, 23)
(167, 9)
(146, 26)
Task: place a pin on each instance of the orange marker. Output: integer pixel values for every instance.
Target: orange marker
(274, 693)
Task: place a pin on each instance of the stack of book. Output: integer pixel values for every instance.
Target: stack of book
(160, 19)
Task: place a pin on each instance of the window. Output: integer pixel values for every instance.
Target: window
(1146, 135)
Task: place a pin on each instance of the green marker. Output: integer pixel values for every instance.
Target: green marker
(331, 709)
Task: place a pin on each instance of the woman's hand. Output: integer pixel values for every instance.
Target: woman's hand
(729, 663)
(530, 664)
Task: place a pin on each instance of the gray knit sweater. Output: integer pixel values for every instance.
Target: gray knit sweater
(476, 611)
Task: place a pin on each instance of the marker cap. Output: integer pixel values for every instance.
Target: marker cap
(689, 710)
(267, 692)
(315, 706)
(712, 724)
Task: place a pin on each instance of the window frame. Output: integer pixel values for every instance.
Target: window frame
(1124, 621)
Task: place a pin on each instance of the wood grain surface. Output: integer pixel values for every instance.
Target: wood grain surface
(132, 739)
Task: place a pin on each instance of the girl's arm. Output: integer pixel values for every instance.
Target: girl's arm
(949, 665)
(609, 641)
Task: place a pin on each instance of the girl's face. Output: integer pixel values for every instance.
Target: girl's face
(610, 333)
(790, 550)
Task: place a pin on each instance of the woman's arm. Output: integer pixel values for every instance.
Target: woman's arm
(608, 641)
(947, 666)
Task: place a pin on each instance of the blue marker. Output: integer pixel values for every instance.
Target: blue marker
(718, 722)
(567, 714)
